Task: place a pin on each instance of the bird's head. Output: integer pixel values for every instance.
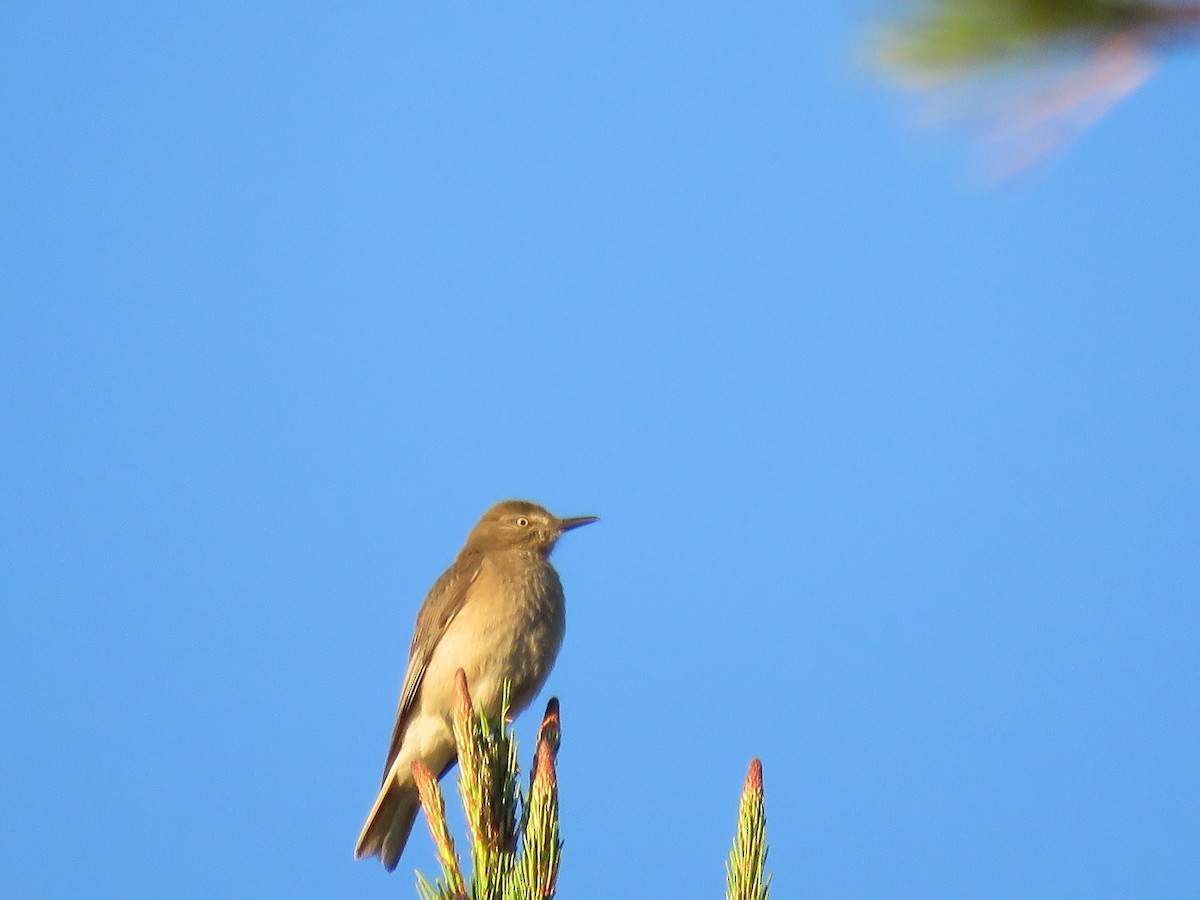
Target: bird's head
(520, 525)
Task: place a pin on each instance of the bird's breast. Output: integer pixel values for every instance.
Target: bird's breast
(509, 629)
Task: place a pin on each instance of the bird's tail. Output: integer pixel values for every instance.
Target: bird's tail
(390, 821)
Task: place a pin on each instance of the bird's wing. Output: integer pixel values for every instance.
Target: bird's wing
(442, 603)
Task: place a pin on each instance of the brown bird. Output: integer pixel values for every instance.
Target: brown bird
(498, 614)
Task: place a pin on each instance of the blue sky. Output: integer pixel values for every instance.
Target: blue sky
(898, 476)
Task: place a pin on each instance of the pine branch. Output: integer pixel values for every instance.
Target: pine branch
(748, 858)
(542, 847)
(489, 786)
(517, 857)
(487, 756)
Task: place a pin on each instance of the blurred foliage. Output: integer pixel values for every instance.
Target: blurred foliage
(1030, 75)
(940, 37)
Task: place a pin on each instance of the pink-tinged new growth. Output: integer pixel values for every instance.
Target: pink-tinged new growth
(427, 787)
(468, 759)
(435, 813)
(748, 858)
(545, 778)
(462, 696)
(550, 731)
(542, 846)
(754, 780)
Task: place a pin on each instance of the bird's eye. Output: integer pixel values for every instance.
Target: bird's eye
(522, 521)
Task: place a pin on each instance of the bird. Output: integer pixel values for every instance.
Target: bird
(498, 614)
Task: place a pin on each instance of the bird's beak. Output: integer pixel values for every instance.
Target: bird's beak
(568, 524)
